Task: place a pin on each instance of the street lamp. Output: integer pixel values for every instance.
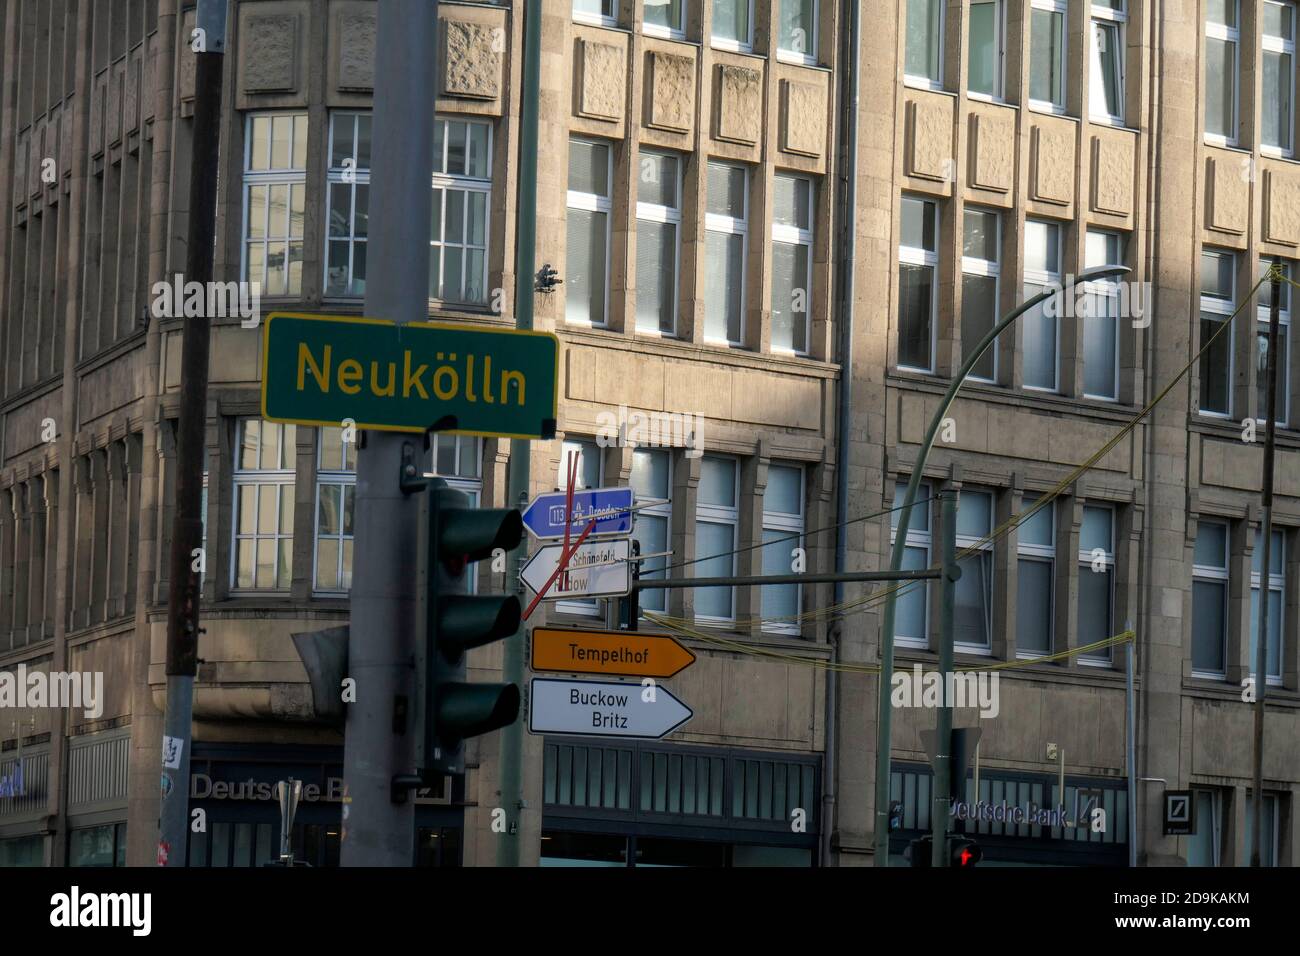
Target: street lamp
(884, 712)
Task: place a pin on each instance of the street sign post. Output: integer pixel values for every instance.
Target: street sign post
(612, 653)
(610, 508)
(596, 569)
(603, 709)
(323, 369)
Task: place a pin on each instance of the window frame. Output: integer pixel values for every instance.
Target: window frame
(1224, 308)
(656, 508)
(280, 478)
(1118, 17)
(929, 259)
(917, 80)
(1216, 575)
(467, 184)
(665, 215)
(1038, 554)
(720, 515)
(1109, 291)
(1263, 318)
(342, 477)
(334, 175)
(798, 236)
(1283, 47)
(1276, 582)
(983, 268)
(1044, 281)
(729, 225)
(999, 54)
(592, 202)
(601, 19)
(668, 33)
(785, 524)
(1232, 37)
(806, 57)
(984, 546)
(1085, 564)
(1060, 82)
(290, 176)
(738, 45)
(1217, 803)
(921, 539)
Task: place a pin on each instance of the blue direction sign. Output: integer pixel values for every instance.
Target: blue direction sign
(610, 508)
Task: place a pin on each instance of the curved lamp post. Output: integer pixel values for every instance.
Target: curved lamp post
(884, 713)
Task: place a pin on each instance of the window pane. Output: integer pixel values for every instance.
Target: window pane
(651, 532)
(714, 543)
(789, 296)
(585, 280)
(1272, 661)
(281, 141)
(1034, 606)
(1096, 530)
(982, 75)
(779, 600)
(1276, 553)
(1209, 620)
(664, 13)
(980, 235)
(1277, 20)
(1216, 362)
(1222, 12)
(915, 295)
(656, 276)
(724, 286)
(1036, 529)
(327, 561)
(978, 315)
(1042, 246)
(1261, 372)
(974, 514)
(972, 614)
(1106, 53)
(1276, 130)
(718, 482)
(924, 20)
(1201, 847)
(1216, 275)
(784, 494)
(259, 142)
(731, 20)
(1045, 57)
(1100, 352)
(798, 28)
(913, 598)
(1039, 344)
(1102, 249)
(657, 184)
(1094, 607)
(919, 520)
(650, 474)
(1211, 545)
(1220, 82)
(588, 167)
(726, 191)
(327, 518)
(790, 201)
(917, 224)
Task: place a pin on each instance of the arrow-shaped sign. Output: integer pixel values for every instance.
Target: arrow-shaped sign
(603, 709)
(621, 653)
(596, 569)
(610, 508)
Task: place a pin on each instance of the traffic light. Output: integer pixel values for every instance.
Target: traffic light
(455, 621)
(918, 851)
(964, 854)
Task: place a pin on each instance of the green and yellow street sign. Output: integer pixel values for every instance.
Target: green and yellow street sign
(322, 369)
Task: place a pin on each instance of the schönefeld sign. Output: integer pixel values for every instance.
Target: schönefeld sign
(321, 370)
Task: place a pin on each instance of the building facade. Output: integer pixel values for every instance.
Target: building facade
(692, 165)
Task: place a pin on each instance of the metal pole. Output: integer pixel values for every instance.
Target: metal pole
(379, 736)
(183, 593)
(943, 729)
(1130, 734)
(517, 481)
(1261, 648)
(884, 710)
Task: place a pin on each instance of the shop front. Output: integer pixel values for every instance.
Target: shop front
(653, 804)
(234, 786)
(24, 779)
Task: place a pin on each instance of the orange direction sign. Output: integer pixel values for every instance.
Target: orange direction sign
(624, 653)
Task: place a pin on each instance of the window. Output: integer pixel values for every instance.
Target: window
(923, 56)
(972, 624)
(1101, 320)
(462, 195)
(587, 286)
(658, 242)
(1278, 128)
(1210, 600)
(590, 472)
(1035, 580)
(716, 523)
(979, 288)
(918, 278)
(594, 11)
(1271, 812)
(664, 18)
(726, 243)
(1106, 93)
(1276, 604)
(1221, 43)
(264, 485)
(275, 181)
(797, 35)
(336, 486)
(652, 483)
(782, 517)
(458, 459)
(1262, 316)
(1096, 581)
(984, 65)
(1218, 278)
(1047, 55)
(349, 204)
(792, 241)
(733, 24)
(912, 606)
(1042, 324)
(1204, 847)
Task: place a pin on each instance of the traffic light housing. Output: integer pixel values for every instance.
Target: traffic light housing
(918, 851)
(963, 854)
(453, 709)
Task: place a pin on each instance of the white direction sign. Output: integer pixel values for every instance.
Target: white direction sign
(603, 708)
(597, 569)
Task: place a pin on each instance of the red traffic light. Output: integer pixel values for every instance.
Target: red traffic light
(966, 853)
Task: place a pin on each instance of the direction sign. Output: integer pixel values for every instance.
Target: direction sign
(323, 369)
(597, 569)
(623, 653)
(610, 508)
(603, 709)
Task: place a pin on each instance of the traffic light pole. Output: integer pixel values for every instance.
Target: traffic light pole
(183, 594)
(379, 736)
(512, 668)
(943, 728)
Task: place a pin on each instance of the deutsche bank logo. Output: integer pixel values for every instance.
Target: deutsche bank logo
(1178, 813)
